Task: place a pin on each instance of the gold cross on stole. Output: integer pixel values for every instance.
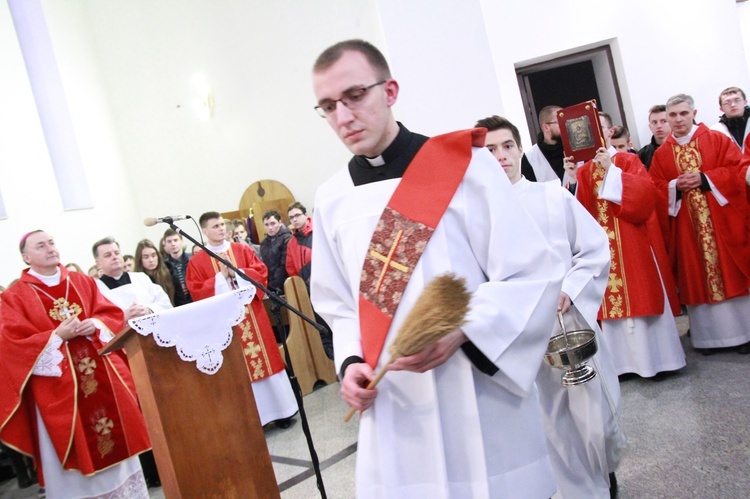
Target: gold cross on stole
(388, 260)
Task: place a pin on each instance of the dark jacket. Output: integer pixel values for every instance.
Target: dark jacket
(646, 152)
(178, 269)
(273, 254)
(299, 253)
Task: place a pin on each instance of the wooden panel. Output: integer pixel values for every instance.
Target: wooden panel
(305, 346)
(205, 429)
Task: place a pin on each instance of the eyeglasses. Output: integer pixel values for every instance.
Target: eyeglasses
(730, 102)
(351, 99)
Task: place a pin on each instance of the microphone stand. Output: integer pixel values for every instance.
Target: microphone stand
(289, 370)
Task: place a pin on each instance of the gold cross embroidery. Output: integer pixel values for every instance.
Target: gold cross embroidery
(388, 260)
(614, 283)
(104, 426)
(252, 350)
(86, 365)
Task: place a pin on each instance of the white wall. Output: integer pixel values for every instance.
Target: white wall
(664, 47)
(30, 193)
(126, 66)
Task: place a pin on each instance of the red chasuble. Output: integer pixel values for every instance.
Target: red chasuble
(708, 242)
(90, 412)
(258, 342)
(634, 288)
(404, 229)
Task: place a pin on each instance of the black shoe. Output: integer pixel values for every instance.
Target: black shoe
(744, 349)
(706, 351)
(612, 485)
(153, 483)
(24, 481)
(284, 423)
(662, 375)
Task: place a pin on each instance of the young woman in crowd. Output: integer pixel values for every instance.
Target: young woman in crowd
(148, 260)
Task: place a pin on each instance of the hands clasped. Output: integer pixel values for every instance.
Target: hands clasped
(72, 327)
(688, 181)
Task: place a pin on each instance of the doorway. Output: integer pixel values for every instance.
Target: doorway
(569, 79)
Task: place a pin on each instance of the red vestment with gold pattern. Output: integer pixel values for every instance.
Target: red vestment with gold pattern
(258, 341)
(708, 242)
(634, 288)
(90, 411)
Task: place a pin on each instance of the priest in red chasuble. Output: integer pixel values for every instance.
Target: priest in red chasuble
(638, 325)
(701, 177)
(74, 411)
(207, 277)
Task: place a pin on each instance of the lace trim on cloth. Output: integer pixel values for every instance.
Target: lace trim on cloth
(49, 362)
(105, 335)
(199, 331)
(132, 488)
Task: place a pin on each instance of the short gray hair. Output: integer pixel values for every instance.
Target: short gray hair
(679, 99)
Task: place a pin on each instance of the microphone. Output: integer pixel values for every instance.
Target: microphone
(151, 221)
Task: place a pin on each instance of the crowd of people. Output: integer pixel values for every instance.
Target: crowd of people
(618, 245)
(56, 314)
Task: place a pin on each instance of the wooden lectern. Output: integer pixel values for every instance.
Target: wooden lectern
(205, 429)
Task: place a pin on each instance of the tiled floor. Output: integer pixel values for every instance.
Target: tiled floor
(689, 436)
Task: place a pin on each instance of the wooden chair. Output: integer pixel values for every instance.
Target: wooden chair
(305, 347)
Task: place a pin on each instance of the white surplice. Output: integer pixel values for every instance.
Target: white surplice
(542, 169)
(452, 431)
(141, 290)
(584, 438)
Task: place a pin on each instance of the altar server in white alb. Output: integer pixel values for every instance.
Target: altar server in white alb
(405, 210)
(584, 437)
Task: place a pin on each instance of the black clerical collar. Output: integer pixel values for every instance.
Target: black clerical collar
(395, 159)
(113, 283)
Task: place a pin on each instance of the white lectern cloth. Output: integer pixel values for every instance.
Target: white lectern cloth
(199, 331)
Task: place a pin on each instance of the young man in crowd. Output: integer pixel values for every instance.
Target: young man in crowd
(208, 277)
(735, 122)
(584, 438)
(544, 161)
(177, 262)
(659, 126)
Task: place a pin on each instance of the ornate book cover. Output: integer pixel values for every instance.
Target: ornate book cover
(580, 130)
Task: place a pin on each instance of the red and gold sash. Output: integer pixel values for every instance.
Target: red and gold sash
(405, 228)
(258, 342)
(616, 302)
(688, 159)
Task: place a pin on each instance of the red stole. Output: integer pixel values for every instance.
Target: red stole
(255, 333)
(405, 228)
